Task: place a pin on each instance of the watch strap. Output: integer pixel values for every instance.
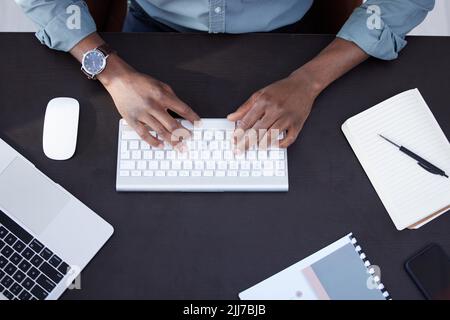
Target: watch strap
(106, 49)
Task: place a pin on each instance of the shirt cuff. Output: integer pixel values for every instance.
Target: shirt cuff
(61, 34)
(379, 42)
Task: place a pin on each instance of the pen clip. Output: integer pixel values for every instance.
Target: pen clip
(429, 169)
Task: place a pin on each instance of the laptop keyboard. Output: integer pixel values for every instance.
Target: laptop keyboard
(28, 269)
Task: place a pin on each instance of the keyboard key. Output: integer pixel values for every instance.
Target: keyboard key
(45, 283)
(136, 155)
(33, 273)
(124, 173)
(251, 155)
(2, 244)
(127, 165)
(27, 253)
(208, 135)
(165, 165)
(196, 173)
(194, 155)
(25, 295)
(51, 272)
(7, 282)
(208, 173)
(3, 232)
(130, 135)
(36, 260)
(15, 289)
(19, 246)
(160, 173)
(187, 165)
(233, 165)
(197, 135)
(268, 173)
(171, 155)
(210, 165)
(126, 155)
(199, 165)
(256, 173)
(46, 253)
(228, 155)
(7, 251)
(148, 155)
(159, 155)
(153, 165)
(280, 173)
(244, 174)
(55, 261)
(39, 293)
(279, 165)
(232, 173)
(219, 135)
(8, 295)
(262, 155)
(136, 173)
(220, 173)
(24, 265)
(184, 173)
(268, 165)
(205, 155)
(36, 246)
(2, 273)
(10, 239)
(14, 228)
(19, 276)
(133, 145)
(124, 146)
(172, 173)
(15, 258)
(222, 165)
(3, 262)
(64, 268)
(10, 269)
(28, 283)
(148, 173)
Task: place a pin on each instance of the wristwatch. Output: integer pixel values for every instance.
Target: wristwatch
(94, 61)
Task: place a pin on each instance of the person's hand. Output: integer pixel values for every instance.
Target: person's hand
(280, 107)
(144, 103)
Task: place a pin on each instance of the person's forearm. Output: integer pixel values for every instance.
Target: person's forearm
(116, 67)
(339, 57)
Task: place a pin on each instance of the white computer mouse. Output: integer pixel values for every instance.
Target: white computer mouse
(61, 128)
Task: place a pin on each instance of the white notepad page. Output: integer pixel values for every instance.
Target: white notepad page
(408, 192)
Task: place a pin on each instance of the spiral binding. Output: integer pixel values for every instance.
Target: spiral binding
(370, 270)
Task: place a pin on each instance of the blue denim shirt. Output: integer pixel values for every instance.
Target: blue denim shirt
(378, 26)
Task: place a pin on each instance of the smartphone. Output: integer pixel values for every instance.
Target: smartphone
(430, 270)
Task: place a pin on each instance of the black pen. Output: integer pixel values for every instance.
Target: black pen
(420, 161)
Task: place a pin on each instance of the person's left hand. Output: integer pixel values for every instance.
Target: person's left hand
(282, 106)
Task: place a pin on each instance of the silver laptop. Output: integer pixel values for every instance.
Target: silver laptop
(47, 236)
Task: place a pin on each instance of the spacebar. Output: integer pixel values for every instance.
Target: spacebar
(211, 123)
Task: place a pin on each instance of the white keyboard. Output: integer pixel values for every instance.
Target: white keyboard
(209, 164)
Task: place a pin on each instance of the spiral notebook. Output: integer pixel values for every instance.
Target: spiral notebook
(340, 271)
(411, 195)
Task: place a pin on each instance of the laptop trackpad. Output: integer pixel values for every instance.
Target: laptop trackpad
(30, 197)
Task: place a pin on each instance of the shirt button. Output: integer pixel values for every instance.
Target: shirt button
(218, 10)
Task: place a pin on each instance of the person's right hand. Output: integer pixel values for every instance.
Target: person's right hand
(144, 103)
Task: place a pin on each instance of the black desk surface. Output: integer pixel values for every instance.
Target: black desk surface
(201, 246)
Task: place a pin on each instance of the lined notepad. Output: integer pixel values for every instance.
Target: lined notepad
(411, 195)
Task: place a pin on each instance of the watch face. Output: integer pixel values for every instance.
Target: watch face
(94, 62)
